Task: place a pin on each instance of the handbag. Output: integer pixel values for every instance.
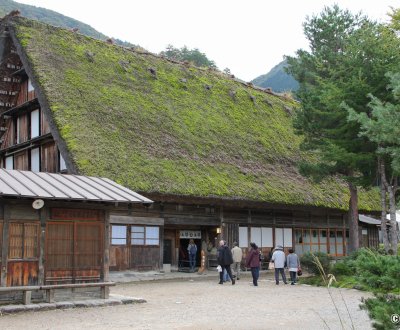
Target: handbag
(219, 268)
(271, 265)
(299, 272)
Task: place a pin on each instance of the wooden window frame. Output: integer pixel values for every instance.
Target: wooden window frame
(23, 241)
(145, 237)
(119, 237)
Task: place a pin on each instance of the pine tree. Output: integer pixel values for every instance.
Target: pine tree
(346, 62)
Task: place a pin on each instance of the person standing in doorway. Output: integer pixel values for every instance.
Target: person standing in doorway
(225, 260)
(192, 251)
(293, 263)
(253, 262)
(237, 255)
(278, 257)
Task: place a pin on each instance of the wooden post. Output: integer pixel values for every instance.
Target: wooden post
(4, 254)
(49, 295)
(43, 215)
(27, 297)
(106, 258)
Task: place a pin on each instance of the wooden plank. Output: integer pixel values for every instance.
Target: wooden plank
(106, 257)
(23, 212)
(200, 221)
(126, 219)
(43, 215)
(4, 252)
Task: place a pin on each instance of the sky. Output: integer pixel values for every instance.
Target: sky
(247, 36)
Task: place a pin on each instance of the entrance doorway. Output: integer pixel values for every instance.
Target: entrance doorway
(183, 264)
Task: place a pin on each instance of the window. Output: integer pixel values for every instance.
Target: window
(35, 160)
(283, 236)
(262, 236)
(319, 240)
(23, 242)
(30, 86)
(118, 235)
(243, 239)
(63, 166)
(141, 235)
(9, 163)
(152, 236)
(35, 126)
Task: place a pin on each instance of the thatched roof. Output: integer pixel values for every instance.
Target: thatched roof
(168, 128)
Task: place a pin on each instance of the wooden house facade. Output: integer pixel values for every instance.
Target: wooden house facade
(217, 157)
(54, 231)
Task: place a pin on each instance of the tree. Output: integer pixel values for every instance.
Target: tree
(382, 126)
(193, 56)
(346, 62)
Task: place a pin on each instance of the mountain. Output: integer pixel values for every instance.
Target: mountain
(53, 18)
(277, 79)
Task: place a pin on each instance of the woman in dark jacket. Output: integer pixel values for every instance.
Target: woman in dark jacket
(225, 260)
(253, 262)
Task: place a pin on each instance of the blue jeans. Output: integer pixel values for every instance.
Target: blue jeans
(192, 260)
(255, 273)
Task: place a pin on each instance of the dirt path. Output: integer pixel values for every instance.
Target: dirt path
(203, 304)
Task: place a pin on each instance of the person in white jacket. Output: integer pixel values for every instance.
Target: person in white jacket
(279, 258)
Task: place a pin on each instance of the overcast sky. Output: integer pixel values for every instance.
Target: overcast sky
(247, 36)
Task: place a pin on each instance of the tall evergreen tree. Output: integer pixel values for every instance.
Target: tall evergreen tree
(344, 65)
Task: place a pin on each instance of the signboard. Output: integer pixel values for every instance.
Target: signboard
(195, 234)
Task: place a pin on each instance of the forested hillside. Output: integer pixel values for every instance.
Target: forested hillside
(53, 18)
(277, 79)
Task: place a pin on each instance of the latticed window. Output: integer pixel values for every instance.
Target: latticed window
(145, 235)
(23, 241)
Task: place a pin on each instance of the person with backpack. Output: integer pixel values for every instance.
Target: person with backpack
(192, 250)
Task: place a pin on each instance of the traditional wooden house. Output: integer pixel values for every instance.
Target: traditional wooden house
(218, 157)
(55, 232)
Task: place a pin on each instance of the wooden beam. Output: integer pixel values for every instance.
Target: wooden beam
(106, 257)
(4, 254)
(43, 216)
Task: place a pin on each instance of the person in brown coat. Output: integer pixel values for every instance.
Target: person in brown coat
(253, 262)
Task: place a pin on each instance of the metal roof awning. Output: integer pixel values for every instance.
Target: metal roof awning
(42, 185)
(368, 220)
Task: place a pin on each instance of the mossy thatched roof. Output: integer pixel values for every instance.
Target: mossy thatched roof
(169, 128)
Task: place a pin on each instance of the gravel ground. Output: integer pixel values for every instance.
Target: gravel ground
(203, 304)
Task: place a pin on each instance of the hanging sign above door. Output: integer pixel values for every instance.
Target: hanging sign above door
(190, 234)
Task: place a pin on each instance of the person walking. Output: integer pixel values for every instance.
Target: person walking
(293, 263)
(192, 250)
(237, 255)
(253, 262)
(225, 260)
(278, 257)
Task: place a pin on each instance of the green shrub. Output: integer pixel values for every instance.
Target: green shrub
(381, 273)
(342, 268)
(308, 263)
(380, 309)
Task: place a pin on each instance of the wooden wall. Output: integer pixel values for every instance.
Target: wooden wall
(72, 244)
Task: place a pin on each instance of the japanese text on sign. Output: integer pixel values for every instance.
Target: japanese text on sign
(190, 234)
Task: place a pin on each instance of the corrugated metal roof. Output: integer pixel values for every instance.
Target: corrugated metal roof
(62, 186)
(369, 220)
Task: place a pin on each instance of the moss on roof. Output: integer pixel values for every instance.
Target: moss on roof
(158, 126)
